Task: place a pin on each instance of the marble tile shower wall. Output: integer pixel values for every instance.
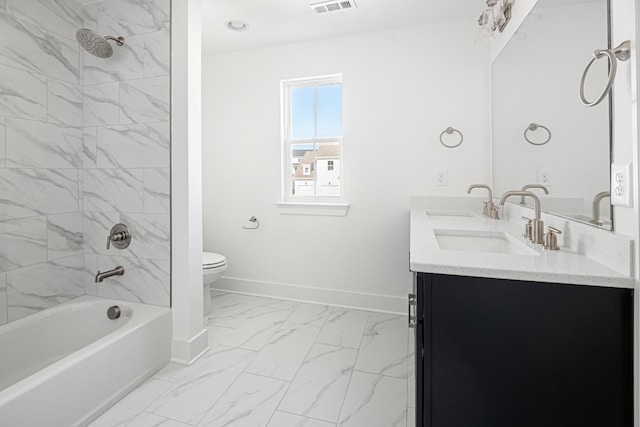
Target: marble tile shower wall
(126, 155)
(84, 144)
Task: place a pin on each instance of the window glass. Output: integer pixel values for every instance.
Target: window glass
(303, 112)
(329, 111)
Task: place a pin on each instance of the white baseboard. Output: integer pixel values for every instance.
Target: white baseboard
(333, 297)
(187, 352)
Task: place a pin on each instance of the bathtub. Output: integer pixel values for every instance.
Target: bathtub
(66, 365)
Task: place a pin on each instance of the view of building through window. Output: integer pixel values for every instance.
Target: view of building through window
(313, 120)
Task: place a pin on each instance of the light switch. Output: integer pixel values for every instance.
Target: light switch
(621, 185)
(441, 179)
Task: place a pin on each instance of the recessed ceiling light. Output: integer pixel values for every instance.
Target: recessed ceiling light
(237, 25)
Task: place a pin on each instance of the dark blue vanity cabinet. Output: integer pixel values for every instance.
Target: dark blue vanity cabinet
(509, 353)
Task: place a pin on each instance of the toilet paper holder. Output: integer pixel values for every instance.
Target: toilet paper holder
(254, 220)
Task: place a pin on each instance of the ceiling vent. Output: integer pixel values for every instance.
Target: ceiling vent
(333, 6)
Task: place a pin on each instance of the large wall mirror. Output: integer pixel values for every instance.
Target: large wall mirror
(542, 133)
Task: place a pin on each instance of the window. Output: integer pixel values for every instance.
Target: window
(312, 140)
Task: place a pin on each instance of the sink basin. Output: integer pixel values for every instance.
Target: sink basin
(451, 216)
(481, 241)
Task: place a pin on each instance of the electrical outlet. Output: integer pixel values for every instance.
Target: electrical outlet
(441, 179)
(544, 178)
(621, 185)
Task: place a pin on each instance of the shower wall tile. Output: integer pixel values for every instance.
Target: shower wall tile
(61, 17)
(40, 286)
(96, 229)
(32, 144)
(145, 100)
(150, 236)
(64, 103)
(23, 242)
(90, 271)
(113, 190)
(3, 145)
(129, 17)
(22, 94)
(91, 16)
(127, 63)
(102, 104)
(134, 146)
(33, 49)
(146, 281)
(157, 190)
(90, 139)
(157, 54)
(64, 235)
(3, 289)
(29, 192)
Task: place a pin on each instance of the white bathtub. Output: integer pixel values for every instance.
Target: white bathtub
(64, 366)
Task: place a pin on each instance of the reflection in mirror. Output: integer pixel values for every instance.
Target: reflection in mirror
(542, 134)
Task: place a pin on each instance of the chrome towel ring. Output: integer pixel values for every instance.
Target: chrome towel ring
(622, 53)
(534, 127)
(449, 131)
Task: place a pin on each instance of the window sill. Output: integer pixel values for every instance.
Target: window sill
(310, 208)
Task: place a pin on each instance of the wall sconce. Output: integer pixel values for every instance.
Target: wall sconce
(494, 17)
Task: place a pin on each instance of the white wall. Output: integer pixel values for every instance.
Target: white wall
(401, 89)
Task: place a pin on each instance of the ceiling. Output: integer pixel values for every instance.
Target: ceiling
(273, 22)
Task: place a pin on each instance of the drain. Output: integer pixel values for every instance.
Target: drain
(113, 312)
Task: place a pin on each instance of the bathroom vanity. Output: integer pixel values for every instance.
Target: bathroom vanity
(509, 334)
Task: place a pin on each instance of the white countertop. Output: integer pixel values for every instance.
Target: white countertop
(562, 266)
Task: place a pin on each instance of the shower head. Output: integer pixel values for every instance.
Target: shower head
(95, 44)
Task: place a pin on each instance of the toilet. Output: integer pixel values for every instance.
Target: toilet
(213, 265)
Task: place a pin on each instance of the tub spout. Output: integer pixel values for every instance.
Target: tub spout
(118, 271)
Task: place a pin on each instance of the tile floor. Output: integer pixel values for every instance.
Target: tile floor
(279, 363)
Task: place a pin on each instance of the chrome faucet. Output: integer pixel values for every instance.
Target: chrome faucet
(490, 210)
(118, 271)
(537, 225)
(596, 207)
(528, 186)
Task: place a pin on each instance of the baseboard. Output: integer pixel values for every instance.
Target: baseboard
(187, 352)
(313, 295)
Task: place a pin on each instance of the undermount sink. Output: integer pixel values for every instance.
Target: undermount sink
(481, 241)
(451, 216)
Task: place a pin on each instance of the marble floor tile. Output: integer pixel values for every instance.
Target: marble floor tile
(282, 356)
(310, 315)
(374, 400)
(344, 328)
(149, 420)
(249, 402)
(261, 325)
(319, 387)
(217, 334)
(198, 387)
(230, 310)
(284, 419)
(127, 409)
(384, 346)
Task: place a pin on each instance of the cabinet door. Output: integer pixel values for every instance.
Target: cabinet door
(524, 354)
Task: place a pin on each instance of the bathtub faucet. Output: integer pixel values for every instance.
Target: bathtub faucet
(118, 271)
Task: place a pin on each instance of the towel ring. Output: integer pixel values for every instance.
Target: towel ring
(534, 127)
(621, 53)
(449, 131)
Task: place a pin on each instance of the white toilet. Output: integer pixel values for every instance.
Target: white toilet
(213, 265)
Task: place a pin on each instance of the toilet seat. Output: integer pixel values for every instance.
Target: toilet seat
(212, 260)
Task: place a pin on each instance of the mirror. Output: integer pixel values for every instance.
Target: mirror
(542, 133)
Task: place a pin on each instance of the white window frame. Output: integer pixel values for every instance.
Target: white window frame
(317, 205)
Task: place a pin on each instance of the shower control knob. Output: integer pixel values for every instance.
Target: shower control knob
(119, 236)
